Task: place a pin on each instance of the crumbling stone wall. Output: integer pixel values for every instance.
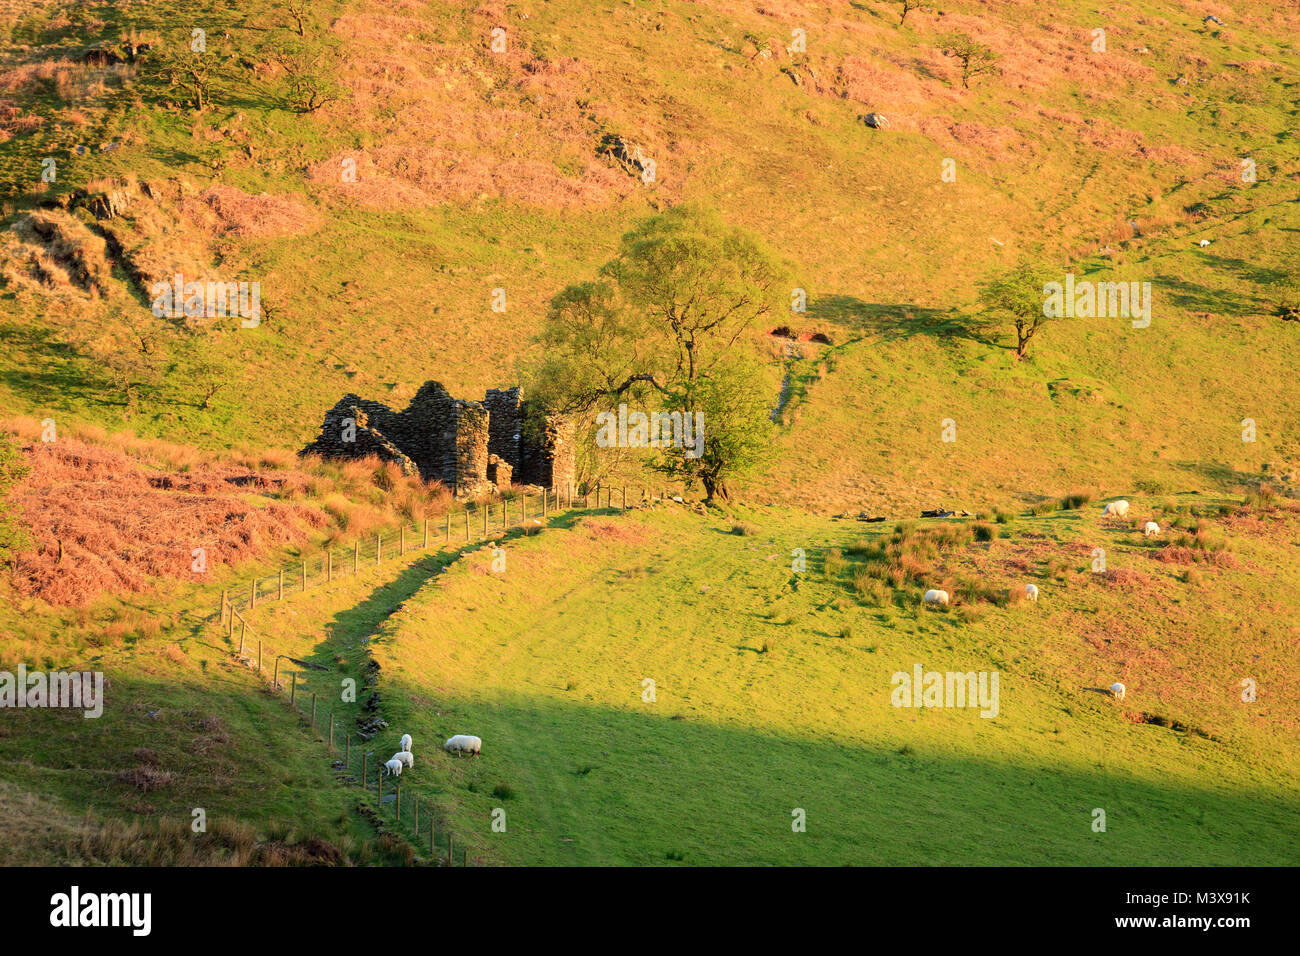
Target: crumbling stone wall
(469, 446)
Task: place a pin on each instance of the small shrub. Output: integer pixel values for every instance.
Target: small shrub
(1262, 498)
(145, 778)
(835, 562)
(845, 632)
(768, 645)
(984, 532)
(503, 791)
(743, 529)
(1075, 500)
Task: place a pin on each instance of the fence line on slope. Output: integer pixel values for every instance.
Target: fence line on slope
(369, 551)
(234, 609)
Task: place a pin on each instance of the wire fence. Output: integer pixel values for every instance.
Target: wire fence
(474, 522)
(256, 652)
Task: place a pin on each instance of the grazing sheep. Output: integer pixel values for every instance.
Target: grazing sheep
(463, 743)
(1031, 592)
(935, 597)
(393, 768)
(1150, 529)
(1117, 689)
(405, 757)
(406, 743)
(1116, 509)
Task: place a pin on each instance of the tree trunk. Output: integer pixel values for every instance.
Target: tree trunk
(713, 488)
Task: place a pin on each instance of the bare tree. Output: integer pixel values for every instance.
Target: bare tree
(309, 72)
(909, 6)
(299, 12)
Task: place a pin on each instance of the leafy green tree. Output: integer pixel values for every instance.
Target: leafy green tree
(663, 323)
(1018, 295)
(975, 57)
(185, 69)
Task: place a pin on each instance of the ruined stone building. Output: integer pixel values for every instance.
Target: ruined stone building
(470, 447)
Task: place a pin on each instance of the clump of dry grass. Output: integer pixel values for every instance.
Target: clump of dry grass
(263, 215)
(146, 778)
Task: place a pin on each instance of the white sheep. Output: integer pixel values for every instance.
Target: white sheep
(405, 757)
(1117, 689)
(406, 743)
(1150, 529)
(1116, 509)
(463, 743)
(1031, 592)
(393, 768)
(935, 597)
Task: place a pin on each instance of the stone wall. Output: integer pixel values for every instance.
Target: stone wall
(470, 447)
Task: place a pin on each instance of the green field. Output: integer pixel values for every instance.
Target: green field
(772, 692)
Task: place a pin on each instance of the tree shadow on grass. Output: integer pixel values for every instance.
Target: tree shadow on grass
(1222, 474)
(893, 321)
(1201, 298)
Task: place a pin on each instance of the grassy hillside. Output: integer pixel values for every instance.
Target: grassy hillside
(772, 692)
(479, 170)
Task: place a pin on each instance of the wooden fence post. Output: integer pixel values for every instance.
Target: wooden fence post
(252, 600)
(451, 860)
(293, 689)
(329, 565)
(225, 603)
(545, 495)
(243, 628)
(426, 533)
